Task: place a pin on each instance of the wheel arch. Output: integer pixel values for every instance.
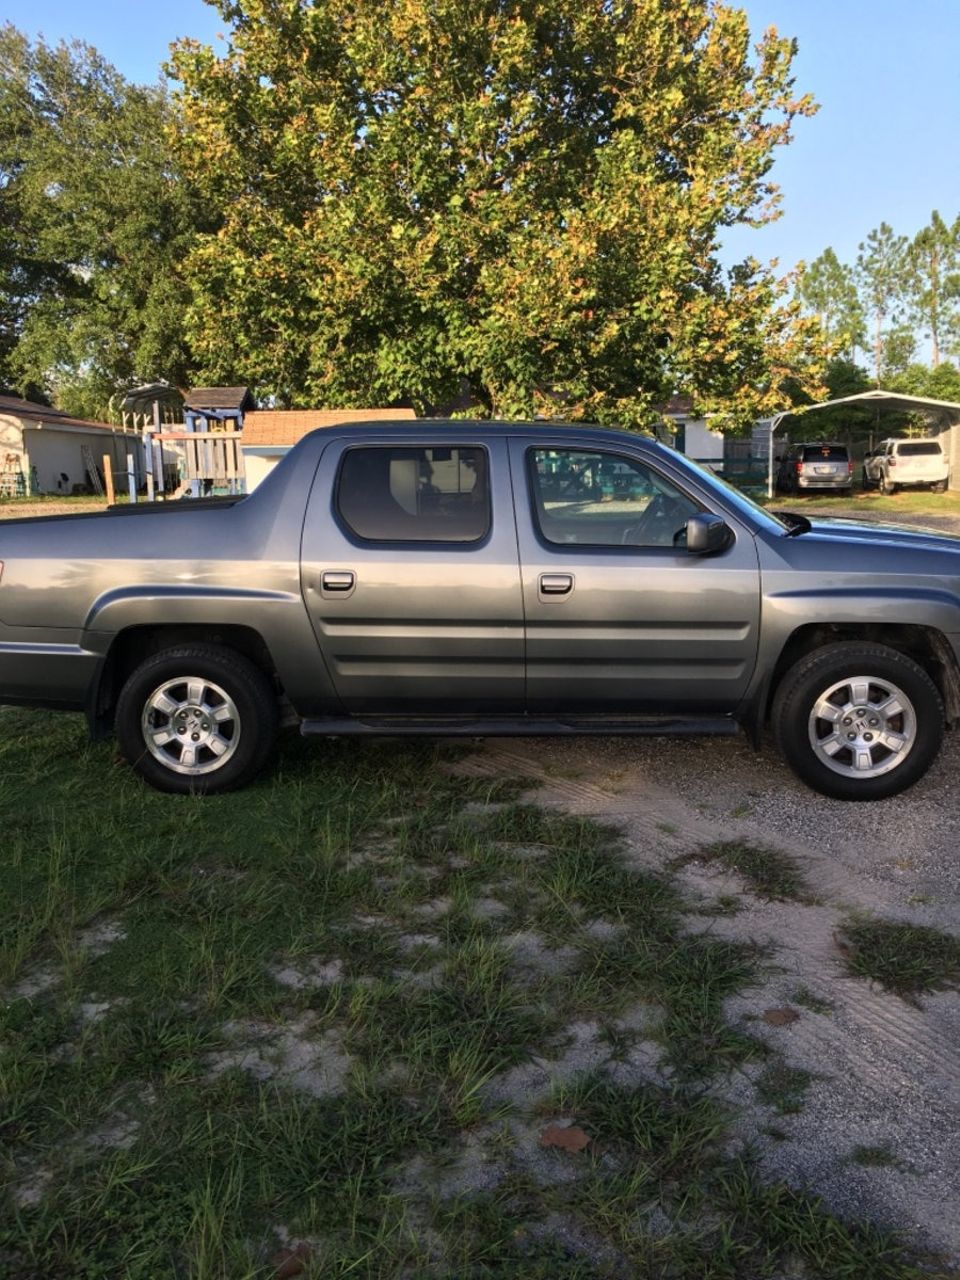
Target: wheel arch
(133, 644)
(927, 646)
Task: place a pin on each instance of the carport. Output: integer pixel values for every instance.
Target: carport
(942, 417)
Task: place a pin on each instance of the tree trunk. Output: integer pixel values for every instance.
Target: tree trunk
(877, 350)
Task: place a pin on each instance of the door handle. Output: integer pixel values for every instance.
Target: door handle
(340, 580)
(556, 584)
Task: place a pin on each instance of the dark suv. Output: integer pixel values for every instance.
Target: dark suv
(815, 465)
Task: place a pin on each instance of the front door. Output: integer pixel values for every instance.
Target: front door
(411, 577)
(621, 618)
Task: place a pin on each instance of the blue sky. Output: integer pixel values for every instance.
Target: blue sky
(884, 145)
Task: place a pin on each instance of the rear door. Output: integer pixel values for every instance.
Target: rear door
(918, 462)
(411, 577)
(620, 616)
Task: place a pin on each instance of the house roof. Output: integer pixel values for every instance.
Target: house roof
(288, 426)
(238, 398)
(43, 413)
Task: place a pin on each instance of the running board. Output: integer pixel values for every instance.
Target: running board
(520, 727)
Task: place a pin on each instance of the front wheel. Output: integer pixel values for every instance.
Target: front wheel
(197, 718)
(858, 721)
(887, 487)
(939, 487)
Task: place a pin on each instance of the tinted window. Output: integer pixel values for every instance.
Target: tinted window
(415, 495)
(918, 449)
(603, 499)
(824, 452)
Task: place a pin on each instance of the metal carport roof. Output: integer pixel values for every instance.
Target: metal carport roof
(942, 414)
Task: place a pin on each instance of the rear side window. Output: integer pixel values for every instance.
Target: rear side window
(824, 453)
(919, 449)
(404, 494)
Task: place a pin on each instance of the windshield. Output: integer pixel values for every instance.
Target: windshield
(729, 494)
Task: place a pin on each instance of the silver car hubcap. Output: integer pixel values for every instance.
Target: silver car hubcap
(191, 725)
(862, 727)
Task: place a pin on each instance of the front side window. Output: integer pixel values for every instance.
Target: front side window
(601, 499)
(404, 494)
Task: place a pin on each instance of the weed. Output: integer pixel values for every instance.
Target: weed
(908, 959)
(876, 1157)
(808, 999)
(770, 873)
(783, 1087)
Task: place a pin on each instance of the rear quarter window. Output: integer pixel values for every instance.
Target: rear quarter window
(410, 494)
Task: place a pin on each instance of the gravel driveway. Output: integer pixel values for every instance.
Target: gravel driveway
(886, 1072)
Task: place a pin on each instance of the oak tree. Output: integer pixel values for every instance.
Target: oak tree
(522, 199)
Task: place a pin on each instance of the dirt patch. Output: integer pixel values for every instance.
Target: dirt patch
(292, 1055)
(873, 1068)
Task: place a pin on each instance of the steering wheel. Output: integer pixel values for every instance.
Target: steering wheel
(657, 519)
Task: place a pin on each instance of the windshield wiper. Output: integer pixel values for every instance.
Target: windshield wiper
(796, 523)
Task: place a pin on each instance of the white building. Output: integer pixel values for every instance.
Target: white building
(42, 449)
(692, 436)
(270, 434)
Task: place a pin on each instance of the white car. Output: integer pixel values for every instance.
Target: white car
(897, 464)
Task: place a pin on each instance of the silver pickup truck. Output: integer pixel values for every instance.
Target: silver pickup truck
(467, 578)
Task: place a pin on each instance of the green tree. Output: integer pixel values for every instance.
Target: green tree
(24, 273)
(523, 197)
(899, 351)
(882, 277)
(95, 224)
(827, 288)
(933, 276)
(942, 383)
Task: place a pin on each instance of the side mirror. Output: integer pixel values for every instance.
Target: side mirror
(707, 533)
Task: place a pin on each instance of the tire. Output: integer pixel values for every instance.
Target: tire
(887, 488)
(229, 719)
(829, 676)
(865, 481)
(939, 487)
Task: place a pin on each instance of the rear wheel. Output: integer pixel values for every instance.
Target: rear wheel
(939, 487)
(858, 721)
(197, 718)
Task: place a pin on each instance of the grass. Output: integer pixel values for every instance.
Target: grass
(34, 504)
(870, 503)
(769, 873)
(179, 1096)
(908, 959)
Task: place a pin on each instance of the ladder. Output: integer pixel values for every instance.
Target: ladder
(91, 468)
(12, 481)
